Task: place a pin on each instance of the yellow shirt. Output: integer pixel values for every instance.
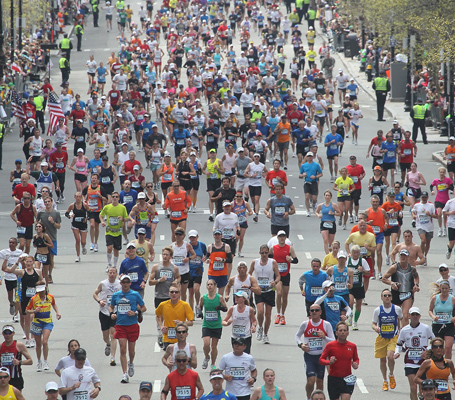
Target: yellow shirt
(368, 238)
(129, 13)
(180, 311)
(311, 55)
(329, 261)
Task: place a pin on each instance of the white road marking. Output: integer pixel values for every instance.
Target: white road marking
(206, 211)
(161, 257)
(296, 197)
(161, 237)
(157, 386)
(157, 349)
(293, 187)
(300, 237)
(308, 255)
(361, 386)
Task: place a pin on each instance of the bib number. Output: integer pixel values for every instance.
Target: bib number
(21, 229)
(316, 291)
(171, 334)
(30, 292)
(133, 276)
(182, 392)
(238, 373)
(283, 267)
(7, 359)
(218, 265)
(280, 210)
(263, 282)
(327, 224)
(239, 330)
(123, 308)
(350, 380)
(315, 344)
(211, 316)
(82, 395)
(113, 220)
(176, 214)
(442, 385)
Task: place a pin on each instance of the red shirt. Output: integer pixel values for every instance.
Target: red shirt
(407, 152)
(294, 117)
(57, 159)
(29, 110)
(129, 165)
(271, 177)
(136, 95)
(374, 141)
(345, 353)
(19, 190)
(356, 172)
(183, 387)
(47, 88)
(77, 115)
(114, 97)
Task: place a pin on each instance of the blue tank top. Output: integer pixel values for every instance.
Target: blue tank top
(443, 309)
(325, 213)
(332, 309)
(264, 395)
(217, 59)
(399, 196)
(200, 249)
(341, 281)
(240, 210)
(273, 122)
(196, 167)
(388, 323)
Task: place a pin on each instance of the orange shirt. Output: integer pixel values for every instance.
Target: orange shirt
(355, 228)
(378, 220)
(284, 132)
(177, 203)
(450, 151)
(392, 210)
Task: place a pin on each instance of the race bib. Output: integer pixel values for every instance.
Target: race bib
(171, 333)
(79, 139)
(238, 373)
(7, 359)
(211, 316)
(280, 210)
(82, 395)
(228, 233)
(363, 251)
(263, 282)
(21, 229)
(79, 219)
(355, 279)
(80, 169)
(393, 222)
(218, 265)
(405, 296)
(133, 276)
(283, 267)
(340, 286)
(178, 261)
(176, 214)
(123, 308)
(143, 215)
(333, 147)
(182, 392)
(334, 306)
(350, 380)
(180, 142)
(93, 203)
(239, 330)
(284, 131)
(345, 192)
(376, 229)
(355, 179)
(387, 328)
(213, 176)
(105, 179)
(60, 165)
(407, 152)
(327, 224)
(316, 291)
(377, 189)
(390, 154)
(424, 219)
(444, 318)
(168, 274)
(242, 219)
(167, 177)
(113, 220)
(30, 292)
(442, 385)
(41, 258)
(315, 343)
(414, 355)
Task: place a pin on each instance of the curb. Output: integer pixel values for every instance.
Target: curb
(438, 157)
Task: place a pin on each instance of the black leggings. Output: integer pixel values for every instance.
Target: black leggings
(61, 181)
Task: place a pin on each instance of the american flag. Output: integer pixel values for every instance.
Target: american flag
(16, 105)
(55, 111)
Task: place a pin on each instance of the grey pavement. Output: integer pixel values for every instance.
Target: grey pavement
(75, 283)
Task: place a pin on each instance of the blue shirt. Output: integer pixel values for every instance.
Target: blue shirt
(276, 103)
(136, 269)
(128, 199)
(313, 285)
(332, 309)
(151, 76)
(389, 155)
(95, 165)
(264, 129)
(180, 136)
(82, 103)
(101, 71)
(333, 149)
(125, 301)
(352, 88)
(147, 128)
(301, 135)
(201, 250)
(223, 396)
(311, 169)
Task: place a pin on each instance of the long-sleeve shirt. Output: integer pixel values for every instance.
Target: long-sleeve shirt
(345, 354)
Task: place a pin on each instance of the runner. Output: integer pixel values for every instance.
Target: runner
(116, 216)
(442, 185)
(182, 254)
(394, 212)
(387, 320)
(212, 303)
(124, 308)
(134, 267)
(176, 204)
(8, 391)
(344, 185)
(24, 215)
(340, 355)
(141, 216)
(284, 255)
(341, 276)
(357, 173)
(414, 250)
(216, 379)
(103, 295)
(77, 212)
(310, 171)
(423, 213)
(266, 272)
(219, 258)
(255, 171)
(268, 390)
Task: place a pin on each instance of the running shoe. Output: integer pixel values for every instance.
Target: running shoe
(385, 386)
(125, 379)
(211, 218)
(45, 366)
(259, 333)
(131, 370)
(32, 343)
(379, 276)
(107, 350)
(356, 218)
(285, 167)
(282, 320)
(448, 253)
(50, 279)
(339, 221)
(240, 254)
(107, 268)
(205, 363)
(440, 232)
(78, 259)
(112, 363)
(62, 198)
(355, 327)
(425, 263)
(92, 246)
(444, 232)
(12, 309)
(351, 219)
(27, 344)
(84, 250)
(265, 339)
(308, 213)
(256, 218)
(349, 320)
(95, 247)
(344, 227)
(393, 382)
(277, 319)
(39, 366)
(387, 260)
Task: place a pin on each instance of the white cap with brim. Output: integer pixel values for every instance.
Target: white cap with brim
(413, 310)
(193, 233)
(241, 293)
(327, 284)
(40, 288)
(214, 376)
(52, 385)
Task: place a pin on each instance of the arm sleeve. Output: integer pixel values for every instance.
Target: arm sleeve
(330, 337)
(302, 279)
(300, 332)
(321, 299)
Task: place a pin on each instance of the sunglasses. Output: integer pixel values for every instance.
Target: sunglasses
(239, 197)
(174, 292)
(149, 187)
(314, 310)
(264, 252)
(443, 269)
(178, 233)
(386, 295)
(181, 360)
(181, 332)
(4, 377)
(115, 197)
(125, 282)
(7, 332)
(437, 346)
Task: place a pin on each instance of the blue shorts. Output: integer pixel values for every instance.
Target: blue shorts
(221, 281)
(356, 126)
(193, 272)
(313, 368)
(37, 327)
(380, 237)
(53, 251)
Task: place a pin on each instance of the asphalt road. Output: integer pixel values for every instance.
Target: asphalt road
(75, 283)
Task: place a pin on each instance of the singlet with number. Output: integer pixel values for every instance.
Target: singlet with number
(341, 280)
(241, 323)
(279, 255)
(181, 252)
(7, 354)
(218, 268)
(107, 290)
(212, 317)
(175, 349)
(441, 376)
(264, 274)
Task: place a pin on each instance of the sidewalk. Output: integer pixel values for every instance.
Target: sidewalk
(395, 110)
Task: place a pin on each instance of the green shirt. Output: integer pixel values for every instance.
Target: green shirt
(286, 85)
(114, 224)
(212, 317)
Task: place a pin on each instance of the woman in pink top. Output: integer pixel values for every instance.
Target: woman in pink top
(413, 181)
(79, 166)
(442, 186)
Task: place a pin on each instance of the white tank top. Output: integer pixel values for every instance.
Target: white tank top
(122, 157)
(37, 145)
(107, 290)
(264, 274)
(101, 145)
(156, 157)
(241, 324)
(228, 163)
(174, 352)
(256, 168)
(179, 254)
(238, 284)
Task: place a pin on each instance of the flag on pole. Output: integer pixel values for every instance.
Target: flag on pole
(16, 67)
(55, 111)
(16, 105)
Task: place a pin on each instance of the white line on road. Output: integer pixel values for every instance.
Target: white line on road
(206, 211)
(293, 187)
(157, 386)
(308, 255)
(300, 237)
(157, 347)
(361, 386)
(161, 237)
(296, 197)
(161, 257)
